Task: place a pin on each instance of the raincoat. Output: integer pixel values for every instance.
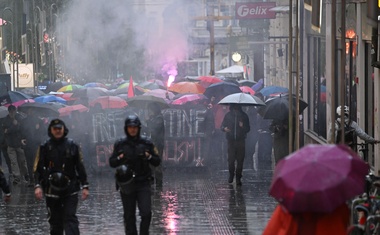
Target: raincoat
(358, 131)
(284, 223)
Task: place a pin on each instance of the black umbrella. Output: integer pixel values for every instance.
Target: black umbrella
(142, 101)
(221, 90)
(41, 109)
(12, 97)
(278, 107)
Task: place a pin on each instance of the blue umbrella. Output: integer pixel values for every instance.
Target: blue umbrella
(269, 90)
(49, 98)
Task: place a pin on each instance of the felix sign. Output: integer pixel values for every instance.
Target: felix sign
(259, 10)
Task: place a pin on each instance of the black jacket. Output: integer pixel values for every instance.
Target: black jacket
(134, 156)
(156, 127)
(63, 156)
(12, 133)
(231, 120)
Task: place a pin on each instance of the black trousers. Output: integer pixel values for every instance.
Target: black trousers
(236, 153)
(142, 197)
(62, 215)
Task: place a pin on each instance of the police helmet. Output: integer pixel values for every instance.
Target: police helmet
(132, 120)
(346, 110)
(58, 181)
(124, 174)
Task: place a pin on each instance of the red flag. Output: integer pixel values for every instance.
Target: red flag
(131, 91)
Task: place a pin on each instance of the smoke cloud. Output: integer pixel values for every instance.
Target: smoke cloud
(100, 39)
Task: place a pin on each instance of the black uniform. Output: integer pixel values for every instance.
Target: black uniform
(236, 140)
(59, 170)
(137, 189)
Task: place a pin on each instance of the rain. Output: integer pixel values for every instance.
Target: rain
(94, 63)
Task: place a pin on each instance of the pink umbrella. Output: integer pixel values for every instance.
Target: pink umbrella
(193, 98)
(318, 178)
(247, 89)
(160, 93)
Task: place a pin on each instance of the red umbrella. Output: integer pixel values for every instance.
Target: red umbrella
(109, 102)
(247, 89)
(318, 178)
(187, 87)
(65, 111)
(206, 81)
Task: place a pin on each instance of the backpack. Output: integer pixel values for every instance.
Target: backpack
(349, 134)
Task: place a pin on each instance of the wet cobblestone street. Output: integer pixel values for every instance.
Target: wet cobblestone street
(191, 201)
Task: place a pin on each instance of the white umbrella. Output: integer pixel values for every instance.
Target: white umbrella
(242, 99)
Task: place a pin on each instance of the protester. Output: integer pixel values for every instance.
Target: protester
(156, 126)
(131, 157)
(283, 222)
(59, 171)
(236, 126)
(4, 148)
(32, 129)
(4, 186)
(15, 142)
(280, 130)
(352, 130)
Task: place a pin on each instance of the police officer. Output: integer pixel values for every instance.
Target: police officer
(59, 172)
(132, 156)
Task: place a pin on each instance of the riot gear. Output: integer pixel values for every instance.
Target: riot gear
(124, 174)
(59, 182)
(132, 120)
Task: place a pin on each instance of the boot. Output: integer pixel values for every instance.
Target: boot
(238, 180)
(231, 179)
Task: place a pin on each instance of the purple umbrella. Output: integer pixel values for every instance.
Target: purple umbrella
(258, 85)
(318, 178)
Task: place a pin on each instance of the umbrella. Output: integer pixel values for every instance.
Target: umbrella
(149, 85)
(49, 98)
(55, 86)
(158, 82)
(246, 82)
(242, 99)
(206, 81)
(318, 178)
(42, 109)
(67, 96)
(258, 85)
(12, 97)
(221, 89)
(65, 111)
(3, 111)
(109, 102)
(95, 84)
(126, 85)
(34, 92)
(267, 91)
(69, 88)
(161, 93)
(278, 107)
(89, 93)
(247, 89)
(187, 87)
(189, 98)
(143, 101)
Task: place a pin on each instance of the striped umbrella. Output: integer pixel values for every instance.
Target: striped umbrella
(70, 87)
